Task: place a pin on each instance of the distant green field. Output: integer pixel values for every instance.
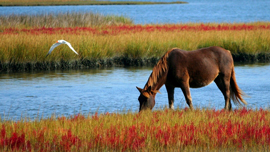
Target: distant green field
(78, 2)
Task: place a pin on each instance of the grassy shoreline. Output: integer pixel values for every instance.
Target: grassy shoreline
(161, 130)
(109, 62)
(127, 45)
(76, 2)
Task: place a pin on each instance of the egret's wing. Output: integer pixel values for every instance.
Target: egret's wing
(71, 47)
(52, 47)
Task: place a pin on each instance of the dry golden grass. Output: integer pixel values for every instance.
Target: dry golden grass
(61, 20)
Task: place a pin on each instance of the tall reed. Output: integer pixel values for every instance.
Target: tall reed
(24, 47)
(70, 19)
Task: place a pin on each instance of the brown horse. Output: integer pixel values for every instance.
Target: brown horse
(185, 69)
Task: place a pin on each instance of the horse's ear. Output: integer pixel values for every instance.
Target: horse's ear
(140, 90)
(149, 90)
(156, 91)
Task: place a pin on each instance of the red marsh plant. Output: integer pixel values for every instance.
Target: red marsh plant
(125, 29)
(182, 129)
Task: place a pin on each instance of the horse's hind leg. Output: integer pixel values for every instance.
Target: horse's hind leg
(186, 92)
(223, 84)
(170, 91)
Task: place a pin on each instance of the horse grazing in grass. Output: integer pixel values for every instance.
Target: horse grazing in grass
(195, 69)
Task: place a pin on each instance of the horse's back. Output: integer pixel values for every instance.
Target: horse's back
(222, 57)
(199, 66)
(212, 55)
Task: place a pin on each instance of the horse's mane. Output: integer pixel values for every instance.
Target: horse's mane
(158, 70)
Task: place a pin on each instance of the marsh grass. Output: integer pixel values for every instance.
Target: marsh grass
(69, 19)
(23, 50)
(202, 129)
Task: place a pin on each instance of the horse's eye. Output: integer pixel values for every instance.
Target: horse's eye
(142, 98)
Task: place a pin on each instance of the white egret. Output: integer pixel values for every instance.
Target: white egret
(59, 42)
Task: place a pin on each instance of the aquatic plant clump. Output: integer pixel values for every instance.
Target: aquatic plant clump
(161, 130)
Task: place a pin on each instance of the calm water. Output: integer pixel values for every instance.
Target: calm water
(195, 11)
(111, 90)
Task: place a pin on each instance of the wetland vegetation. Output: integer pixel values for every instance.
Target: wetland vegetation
(199, 130)
(115, 41)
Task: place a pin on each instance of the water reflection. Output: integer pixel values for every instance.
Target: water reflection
(41, 94)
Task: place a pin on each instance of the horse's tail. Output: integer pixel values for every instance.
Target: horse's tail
(236, 92)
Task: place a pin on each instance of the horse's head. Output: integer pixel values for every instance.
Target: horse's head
(146, 98)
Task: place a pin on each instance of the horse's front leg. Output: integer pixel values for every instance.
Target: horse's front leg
(170, 91)
(186, 92)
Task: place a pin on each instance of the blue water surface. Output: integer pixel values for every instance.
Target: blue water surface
(203, 11)
(41, 94)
